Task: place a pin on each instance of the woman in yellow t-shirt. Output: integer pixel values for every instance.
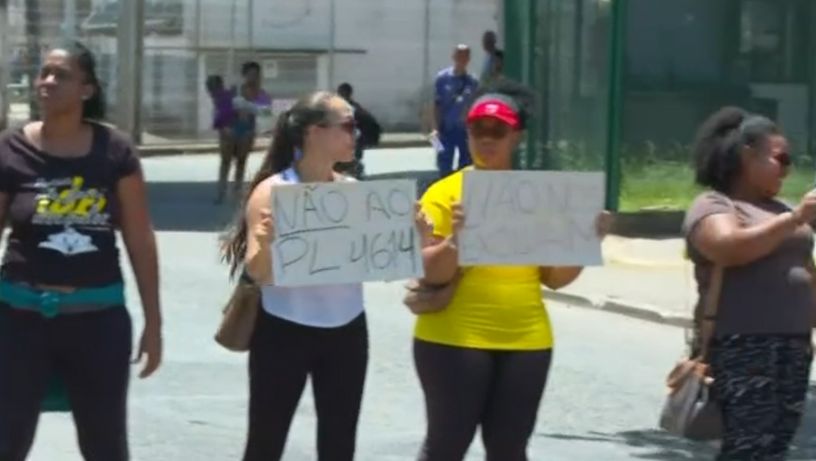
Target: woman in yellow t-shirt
(483, 360)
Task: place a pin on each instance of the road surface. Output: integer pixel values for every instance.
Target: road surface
(601, 403)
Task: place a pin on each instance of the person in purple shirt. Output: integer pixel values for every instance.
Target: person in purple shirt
(223, 112)
(223, 116)
(453, 89)
(235, 119)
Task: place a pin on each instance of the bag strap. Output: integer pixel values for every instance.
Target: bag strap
(245, 278)
(711, 307)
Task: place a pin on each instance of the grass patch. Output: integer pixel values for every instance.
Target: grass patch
(670, 186)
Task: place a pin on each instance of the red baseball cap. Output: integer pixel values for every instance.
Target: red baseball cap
(494, 107)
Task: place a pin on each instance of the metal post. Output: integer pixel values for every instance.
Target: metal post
(513, 44)
(426, 48)
(617, 43)
(5, 67)
(197, 32)
(251, 27)
(69, 25)
(130, 54)
(332, 31)
(33, 33)
(231, 50)
(812, 89)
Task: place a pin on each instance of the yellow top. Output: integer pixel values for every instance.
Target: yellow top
(494, 307)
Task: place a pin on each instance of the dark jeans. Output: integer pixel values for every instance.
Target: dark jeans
(90, 353)
(465, 388)
(453, 139)
(761, 383)
(282, 355)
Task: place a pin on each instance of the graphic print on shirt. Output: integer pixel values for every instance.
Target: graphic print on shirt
(64, 202)
(69, 242)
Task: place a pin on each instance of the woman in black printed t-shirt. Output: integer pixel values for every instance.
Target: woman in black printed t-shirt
(66, 185)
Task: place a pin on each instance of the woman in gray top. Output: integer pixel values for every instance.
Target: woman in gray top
(761, 352)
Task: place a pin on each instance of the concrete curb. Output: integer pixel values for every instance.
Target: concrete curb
(635, 263)
(615, 306)
(153, 150)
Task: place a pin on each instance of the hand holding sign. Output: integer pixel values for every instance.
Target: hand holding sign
(264, 231)
(424, 225)
(603, 224)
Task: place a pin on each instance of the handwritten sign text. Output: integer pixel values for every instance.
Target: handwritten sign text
(531, 218)
(328, 233)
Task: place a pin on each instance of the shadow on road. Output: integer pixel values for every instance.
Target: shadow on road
(666, 447)
(190, 207)
(656, 444)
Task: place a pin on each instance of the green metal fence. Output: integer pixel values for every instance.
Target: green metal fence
(623, 84)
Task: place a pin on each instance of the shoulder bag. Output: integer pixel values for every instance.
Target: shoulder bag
(240, 314)
(690, 410)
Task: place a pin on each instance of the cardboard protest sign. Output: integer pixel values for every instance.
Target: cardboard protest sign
(345, 232)
(543, 218)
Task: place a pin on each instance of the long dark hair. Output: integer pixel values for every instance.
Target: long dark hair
(93, 108)
(288, 136)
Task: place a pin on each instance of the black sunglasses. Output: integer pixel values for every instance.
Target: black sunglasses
(349, 126)
(783, 159)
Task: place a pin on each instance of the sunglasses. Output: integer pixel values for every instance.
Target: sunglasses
(349, 126)
(783, 159)
(480, 129)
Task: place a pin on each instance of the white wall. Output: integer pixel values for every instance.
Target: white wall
(380, 43)
(388, 76)
(380, 48)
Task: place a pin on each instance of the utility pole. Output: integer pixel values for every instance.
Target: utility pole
(69, 25)
(130, 54)
(332, 38)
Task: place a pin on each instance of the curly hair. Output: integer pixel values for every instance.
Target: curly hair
(719, 142)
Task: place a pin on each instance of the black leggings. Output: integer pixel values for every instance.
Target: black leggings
(90, 353)
(281, 356)
(465, 388)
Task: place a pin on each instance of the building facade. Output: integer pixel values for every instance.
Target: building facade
(388, 49)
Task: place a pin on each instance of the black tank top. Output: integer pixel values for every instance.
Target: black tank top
(63, 212)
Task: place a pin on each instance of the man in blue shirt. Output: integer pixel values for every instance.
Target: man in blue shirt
(453, 90)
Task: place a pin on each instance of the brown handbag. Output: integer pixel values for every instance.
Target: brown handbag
(690, 410)
(423, 298)
(240, 314)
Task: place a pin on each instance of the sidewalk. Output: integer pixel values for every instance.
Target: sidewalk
(641, 278)
(153, 146)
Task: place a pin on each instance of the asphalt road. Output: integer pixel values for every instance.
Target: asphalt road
(601, 403)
